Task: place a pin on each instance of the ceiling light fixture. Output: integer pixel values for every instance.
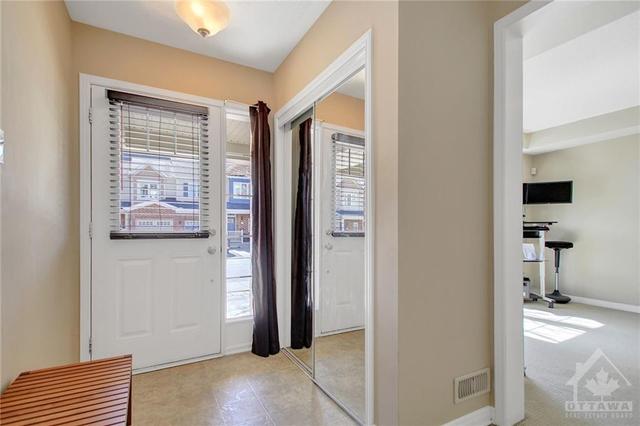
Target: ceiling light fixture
(205, 17)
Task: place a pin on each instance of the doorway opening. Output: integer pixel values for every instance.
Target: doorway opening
(550, 120)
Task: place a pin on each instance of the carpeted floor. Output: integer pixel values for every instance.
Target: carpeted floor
(556, 339)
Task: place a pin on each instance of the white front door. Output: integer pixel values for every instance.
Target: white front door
(341, 251)
(158, 299)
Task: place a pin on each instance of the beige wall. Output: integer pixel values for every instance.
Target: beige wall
(43, 52)
(39, 190)
(1, 376)
(445, 203)
(341, 24)
(342, 110)
(603, 221)
(108, 54)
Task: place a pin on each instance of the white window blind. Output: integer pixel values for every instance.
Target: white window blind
(159, 168)
(348, 185)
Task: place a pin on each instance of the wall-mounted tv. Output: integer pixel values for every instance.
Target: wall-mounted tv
(547, 192)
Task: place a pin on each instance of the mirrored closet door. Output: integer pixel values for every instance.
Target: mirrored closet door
(301, 294)
(328, 243)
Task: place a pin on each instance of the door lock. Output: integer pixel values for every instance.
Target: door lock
(211, 250)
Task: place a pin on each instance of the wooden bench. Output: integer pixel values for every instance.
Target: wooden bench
(95, 392)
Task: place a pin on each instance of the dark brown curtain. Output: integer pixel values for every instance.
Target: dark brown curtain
(265, 317)
(301, 308)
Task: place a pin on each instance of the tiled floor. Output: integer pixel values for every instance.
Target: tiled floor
(339, 367)
(240, 389)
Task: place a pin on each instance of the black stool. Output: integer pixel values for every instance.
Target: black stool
(556, 246)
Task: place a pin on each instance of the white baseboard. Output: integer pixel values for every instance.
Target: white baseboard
(605, 304)
(236, 349)
(481, 417)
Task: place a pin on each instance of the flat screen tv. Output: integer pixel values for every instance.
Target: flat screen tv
(547, 192)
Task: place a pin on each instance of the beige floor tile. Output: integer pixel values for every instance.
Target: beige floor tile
(240, 389)
(242, 412)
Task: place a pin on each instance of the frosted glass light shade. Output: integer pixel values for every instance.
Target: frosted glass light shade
(205, 17)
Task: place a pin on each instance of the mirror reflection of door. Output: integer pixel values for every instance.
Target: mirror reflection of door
(340, 245)
(341, 254)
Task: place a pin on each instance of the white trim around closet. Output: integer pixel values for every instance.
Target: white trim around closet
(354, 59)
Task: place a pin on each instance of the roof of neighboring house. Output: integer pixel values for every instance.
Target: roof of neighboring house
(235, 167)
(172, 205)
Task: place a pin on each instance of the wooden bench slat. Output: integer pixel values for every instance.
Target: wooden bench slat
(74, 365)
(47, 415)
(65, 401)
(60, 397)
(37, 374)
(94, 392)
(81, 373)
(118, 417)
(52, 387)
(63, 380)
(54, 392)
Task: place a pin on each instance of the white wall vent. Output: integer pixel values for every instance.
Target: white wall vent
(471, 385)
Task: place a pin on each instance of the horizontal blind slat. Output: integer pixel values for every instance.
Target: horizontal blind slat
(348, 186)
(160, 170)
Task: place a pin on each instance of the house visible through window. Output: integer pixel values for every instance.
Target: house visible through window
(241, 188)
(238, 226)
(148, 191)
(161, 157)
(348, 184)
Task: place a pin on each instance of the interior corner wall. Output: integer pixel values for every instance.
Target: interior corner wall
(336, 29)
(445, 138)
(603, 221)
(40, 271)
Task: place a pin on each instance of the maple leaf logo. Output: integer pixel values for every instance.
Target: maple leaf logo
(602, 385)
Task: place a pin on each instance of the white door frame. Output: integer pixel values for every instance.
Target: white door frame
(86, 81)
(355, 58)
(543, 21)
(507, 212)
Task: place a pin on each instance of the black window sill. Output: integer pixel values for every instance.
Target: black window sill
(347, 234)
(157, 235)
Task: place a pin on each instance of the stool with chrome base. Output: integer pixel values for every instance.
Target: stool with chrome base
(557, 246)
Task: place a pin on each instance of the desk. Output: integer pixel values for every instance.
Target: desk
(537, 230)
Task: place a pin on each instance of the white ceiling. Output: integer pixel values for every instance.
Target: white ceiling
(354, 87)
(260, 33)
(592, 74)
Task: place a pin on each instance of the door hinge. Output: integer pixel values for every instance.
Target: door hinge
(90, 115)
(90, 230)
(90, 345)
